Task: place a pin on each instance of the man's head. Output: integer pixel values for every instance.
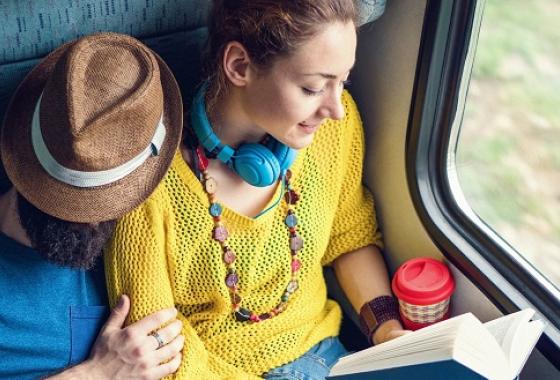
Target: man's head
(87, 137)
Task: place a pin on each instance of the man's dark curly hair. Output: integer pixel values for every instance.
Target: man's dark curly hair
(76, 245)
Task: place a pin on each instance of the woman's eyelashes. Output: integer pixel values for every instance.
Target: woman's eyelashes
(312, 92)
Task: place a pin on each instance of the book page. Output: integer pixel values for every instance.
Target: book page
(505, 328)
(517, 336)
(424, 339)
(523, 344)
(499, 327)
(427, 344)
(462, 338)
(478, 349)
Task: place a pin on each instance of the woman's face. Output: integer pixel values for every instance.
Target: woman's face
(290, 100)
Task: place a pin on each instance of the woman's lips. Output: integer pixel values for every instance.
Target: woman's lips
(309, 128)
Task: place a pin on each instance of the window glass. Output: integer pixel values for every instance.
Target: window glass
(508, 151)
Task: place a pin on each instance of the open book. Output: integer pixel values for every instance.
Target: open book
(458, 348)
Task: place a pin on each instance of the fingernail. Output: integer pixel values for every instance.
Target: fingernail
(120, 303)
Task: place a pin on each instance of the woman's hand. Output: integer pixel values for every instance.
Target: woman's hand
(388, 330)
(131, 352)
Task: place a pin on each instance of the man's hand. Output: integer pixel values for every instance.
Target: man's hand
(131, 352)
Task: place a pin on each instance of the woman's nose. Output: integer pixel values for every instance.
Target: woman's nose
(332, 107)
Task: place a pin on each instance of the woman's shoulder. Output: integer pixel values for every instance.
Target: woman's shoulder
(156, 202)
(349, 103)
(352, 120)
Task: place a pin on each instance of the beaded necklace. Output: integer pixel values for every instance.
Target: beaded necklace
(220, 234)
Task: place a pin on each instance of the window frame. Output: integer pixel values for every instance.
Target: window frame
(440, 88)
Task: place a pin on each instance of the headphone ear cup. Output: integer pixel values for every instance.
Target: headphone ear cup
(283, 153)
(256, 164)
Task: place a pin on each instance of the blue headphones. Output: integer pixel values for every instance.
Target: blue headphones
(258, 164)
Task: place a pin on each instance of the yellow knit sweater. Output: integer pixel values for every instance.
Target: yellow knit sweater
(163, 255)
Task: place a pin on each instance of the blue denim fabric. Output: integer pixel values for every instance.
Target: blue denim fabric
(315, 364)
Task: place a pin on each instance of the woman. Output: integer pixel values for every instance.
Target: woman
(237, 242)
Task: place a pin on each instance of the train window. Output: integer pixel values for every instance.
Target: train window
(482, 157)
(507, 151)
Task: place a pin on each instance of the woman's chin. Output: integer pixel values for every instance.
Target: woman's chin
(301, 142)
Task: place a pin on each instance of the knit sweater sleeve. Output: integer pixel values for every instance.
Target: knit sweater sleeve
(137, 265)
(355, 224)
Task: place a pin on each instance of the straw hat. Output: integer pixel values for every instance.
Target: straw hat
(92, 129)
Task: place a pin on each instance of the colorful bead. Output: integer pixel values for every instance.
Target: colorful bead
(220, 233)
(281, 307)
(292, 286)
(236, 298)
(291, 220)
(291, 197)
(232, 280)
(296, 243)
(215, 209)
(229, 257)
(264, 316)
(242, 314)
(296, 265)
(210, 185)
(201, 159)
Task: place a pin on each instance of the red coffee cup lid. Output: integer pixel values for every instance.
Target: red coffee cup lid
(423, 281)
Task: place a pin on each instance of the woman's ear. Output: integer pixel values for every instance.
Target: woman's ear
(237, 64)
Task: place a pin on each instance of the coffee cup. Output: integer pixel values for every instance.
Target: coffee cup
(423, 287)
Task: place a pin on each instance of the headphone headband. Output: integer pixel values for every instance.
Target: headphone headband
(203, 129)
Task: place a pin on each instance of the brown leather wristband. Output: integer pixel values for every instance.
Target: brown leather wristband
(377, 311)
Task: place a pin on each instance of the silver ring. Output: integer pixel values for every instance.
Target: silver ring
(160, 342)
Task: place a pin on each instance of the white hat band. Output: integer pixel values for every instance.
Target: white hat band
(89, 179)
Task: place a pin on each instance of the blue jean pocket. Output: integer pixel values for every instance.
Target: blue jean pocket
(85, 324)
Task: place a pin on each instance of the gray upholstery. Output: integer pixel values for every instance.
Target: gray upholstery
(31, 29)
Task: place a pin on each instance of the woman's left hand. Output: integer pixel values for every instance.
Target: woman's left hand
(388, 330)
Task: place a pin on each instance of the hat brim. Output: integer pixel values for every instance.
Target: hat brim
(83, 205)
